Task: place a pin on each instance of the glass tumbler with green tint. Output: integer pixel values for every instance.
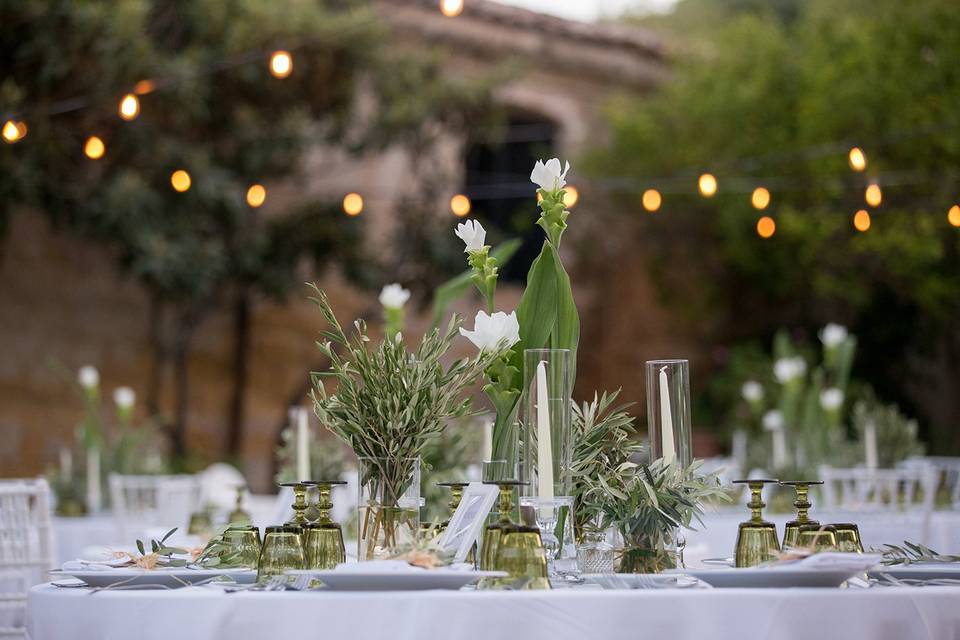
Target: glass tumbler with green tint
(242, 546)
(756, 539)
(282, 550)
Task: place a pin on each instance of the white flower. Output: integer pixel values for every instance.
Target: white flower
(393, 296)
(473, 235)
(547, 176)
(752, 391)
(88, 377)
(124, 397)
(833, 334)
(788, 369)
(491, 332)
(831, 399)
(773, 420)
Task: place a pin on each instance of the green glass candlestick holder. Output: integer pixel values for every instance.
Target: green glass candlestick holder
(299, 502)
(818, 537)
(323, 539)
(791, 532)
(456, 495)
(756, 538)
(491, 534)
(848, 537)
(238, 515)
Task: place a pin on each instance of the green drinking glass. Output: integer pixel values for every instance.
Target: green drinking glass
(791, 531)
(323, 539)
(848, 537)
(756, 538)
(282, 550)
(491, 535)
(521, 554)
(242, 546)
(818, 537)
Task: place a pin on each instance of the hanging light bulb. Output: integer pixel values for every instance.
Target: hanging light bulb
(766, 227)
(953, 216)
(143, 87)
(180, 180)
(94, 148)
(281, 64)
(760, 199)
(651, 200)
(873, 195)
(451, 8)
(460, 205)
(707, 185)
(570, 196)
(352, 204)
(129, 107)
(256, 195)
(14, 131)
(861, 220)
(857, 159)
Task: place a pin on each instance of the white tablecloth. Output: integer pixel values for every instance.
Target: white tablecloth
(205, 613)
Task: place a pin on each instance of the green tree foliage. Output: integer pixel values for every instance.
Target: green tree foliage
(775, 95)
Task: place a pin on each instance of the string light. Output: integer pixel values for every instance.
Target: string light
(281, 64)
(651, 200)
(861, 220)
(570, 196)
(94, 148)
(760, 198)
(707, 185)
(256, 195)
(144, 87)
(129, 107)
(873, 195)
(460, 205)
(857, 159)
(766, 227)
(14, 131)
(352, 204)
(451, 8)
(953, 216)
(180, 180)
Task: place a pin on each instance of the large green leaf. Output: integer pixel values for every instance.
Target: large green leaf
(566, 332)
(452, 289)
(537, 311)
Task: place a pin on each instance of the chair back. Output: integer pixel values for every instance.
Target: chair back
(145, 502)
(26, 548)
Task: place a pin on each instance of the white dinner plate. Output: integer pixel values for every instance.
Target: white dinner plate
(919, 571)
(637, 580)
(412, 580)
(770, 577)
(137, 578)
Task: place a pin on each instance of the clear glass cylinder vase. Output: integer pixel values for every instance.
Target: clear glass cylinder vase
(668, 410)
(388, 508)
(546, 428)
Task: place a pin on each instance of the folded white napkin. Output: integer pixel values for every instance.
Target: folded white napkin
(835, 561)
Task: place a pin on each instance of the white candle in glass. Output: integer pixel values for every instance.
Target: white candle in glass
(303, 445)
(544, 446)
(779, 449)
(870, 445)
(668, 448)
(94, 494)
(487, 452)
(66, 463)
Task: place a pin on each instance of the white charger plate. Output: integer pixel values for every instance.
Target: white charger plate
(412, 580)
(919, 571)
(638, 580)
(172, 578)
(770, 578)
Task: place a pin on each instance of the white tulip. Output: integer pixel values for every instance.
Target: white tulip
(787, 369)
(89, 377)
(548, 176)
(831, 399)
(773, 420)
(393, 296)
(493, 332)
(833, 335)
(752, 391)
(473, 235)
(124, 397)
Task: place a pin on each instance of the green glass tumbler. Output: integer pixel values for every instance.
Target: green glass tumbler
(242, 546)
(756, 538)
(282, 550)
(818, 537)
(521, 554)
(791, 532)
(848, 537)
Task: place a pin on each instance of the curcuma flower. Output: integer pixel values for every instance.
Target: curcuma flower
(752, 391)
(493, 332)
(394, 296)
(548, 176)
(89, 377)
(124, 397)
(833, 335)
(831, 399)
(473, 235)
(788, 369)
(773, 420)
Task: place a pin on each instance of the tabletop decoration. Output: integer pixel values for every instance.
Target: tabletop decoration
(914, 553)
(848, 537)
(756, 538)
(238, 515)
(282, 550)
(323, 538)
(791, 530)
(819, 537)
(388, 404)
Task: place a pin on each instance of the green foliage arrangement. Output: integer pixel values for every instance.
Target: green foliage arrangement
(912, 553)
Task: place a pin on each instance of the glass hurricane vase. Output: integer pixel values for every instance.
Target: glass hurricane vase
(642, 554)
(389, 505)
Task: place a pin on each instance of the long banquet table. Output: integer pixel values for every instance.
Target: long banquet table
(208, 613)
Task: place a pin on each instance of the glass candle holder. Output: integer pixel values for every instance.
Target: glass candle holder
(522, 555)
(323, 539)
(547, 441)
(238, 515)
(299, 502)
(756, 538)
(668, 410)
(491, 534)
(791, 532)
(282, 550)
